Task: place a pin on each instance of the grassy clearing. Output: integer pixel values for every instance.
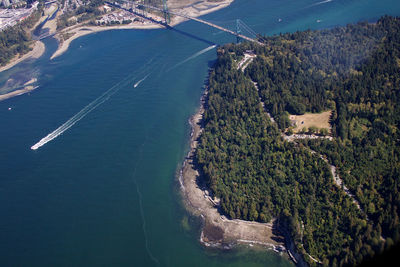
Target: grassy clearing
(318, 120)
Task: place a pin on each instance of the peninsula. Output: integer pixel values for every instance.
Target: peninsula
(329, 190)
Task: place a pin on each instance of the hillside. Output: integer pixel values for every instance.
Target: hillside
(247, 162)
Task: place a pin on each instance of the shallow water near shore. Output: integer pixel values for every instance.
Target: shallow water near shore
(104, 191)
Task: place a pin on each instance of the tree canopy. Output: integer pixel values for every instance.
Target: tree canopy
(354, 71)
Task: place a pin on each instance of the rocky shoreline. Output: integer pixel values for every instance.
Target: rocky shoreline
(218, 230)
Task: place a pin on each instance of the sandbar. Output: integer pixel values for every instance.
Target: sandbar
(27, 89)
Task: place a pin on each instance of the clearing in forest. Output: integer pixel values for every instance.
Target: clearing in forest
(318, 120)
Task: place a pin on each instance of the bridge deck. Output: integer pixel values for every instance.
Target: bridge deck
(204, 22)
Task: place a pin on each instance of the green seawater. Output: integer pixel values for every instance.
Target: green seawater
(104, 192)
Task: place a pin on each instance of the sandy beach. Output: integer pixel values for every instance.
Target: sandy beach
(85, 30)
(37, 51)
(219, 231)
(191, 8)
(195, 8)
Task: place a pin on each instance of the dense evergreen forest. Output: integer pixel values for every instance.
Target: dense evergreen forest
(353, 71)
(17, 39)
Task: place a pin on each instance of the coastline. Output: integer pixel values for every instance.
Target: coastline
(195, 10)
(36, 52)
(218, 230)
(86, 30)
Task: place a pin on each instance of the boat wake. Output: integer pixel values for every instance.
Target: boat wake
(78, 116)
(86, 110)
(137, 84)
(193, 56)
(94, 104)
(320, 3)
(97, 102)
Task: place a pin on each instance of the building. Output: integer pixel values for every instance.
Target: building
(5, 3)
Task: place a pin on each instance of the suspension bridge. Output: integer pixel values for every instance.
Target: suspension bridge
(240, 25)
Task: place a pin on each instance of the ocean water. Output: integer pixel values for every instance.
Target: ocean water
(104, 192)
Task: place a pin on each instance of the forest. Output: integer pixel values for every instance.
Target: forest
(17, 39)
(353, 71)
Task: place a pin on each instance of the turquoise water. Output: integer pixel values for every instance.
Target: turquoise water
(104, 192)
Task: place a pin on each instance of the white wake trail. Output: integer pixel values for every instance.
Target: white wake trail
(193, 56)
(78, 116)
(92, 105)
(320, 3)
(136, 84)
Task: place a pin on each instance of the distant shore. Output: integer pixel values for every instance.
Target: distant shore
(86, 30)
(194, 10)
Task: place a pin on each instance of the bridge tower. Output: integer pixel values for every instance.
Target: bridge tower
(238, 31)
(137, 7)
(167, 17)
(133, 6)
(143, 8)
